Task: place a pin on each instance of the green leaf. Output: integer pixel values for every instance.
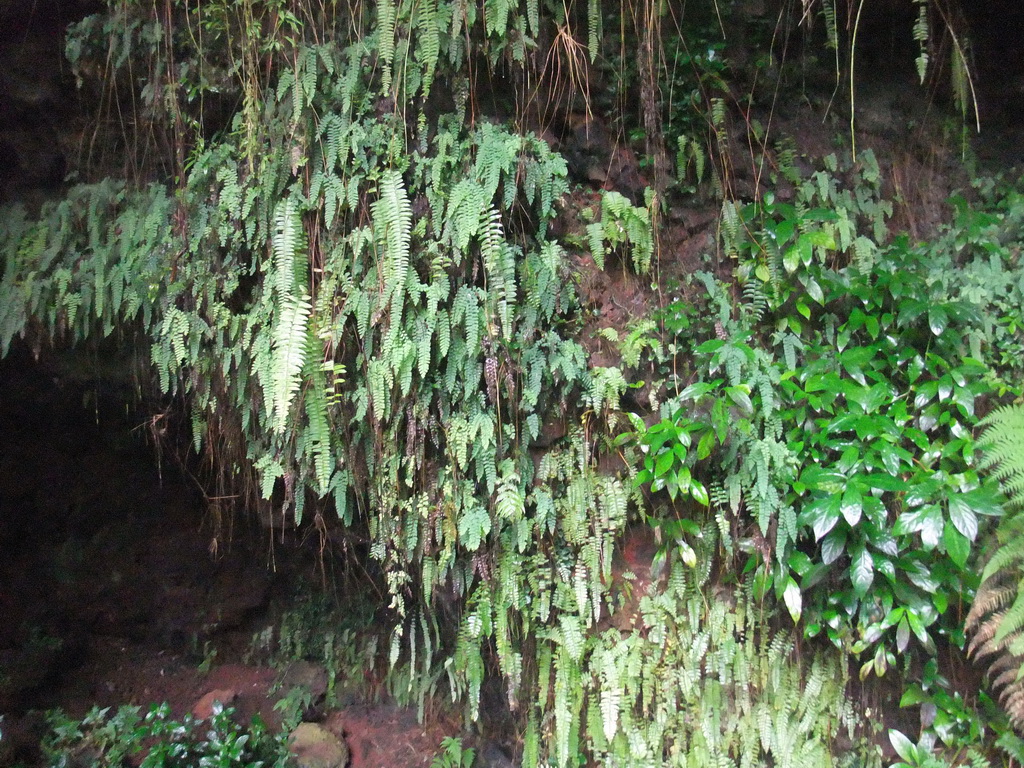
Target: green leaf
(822, 514)
(664, 463)
(792, 597)
(833, 546)
(926, 520)
(902, 635)
(958, 546)
(707, 442)
(791, 258)
(710, 346)
(851, 505)
(699, 493)
(800, 563)
(741, 397)
(918, 627)
(814, 290)
(980, 501)
(862, 571)
(884, 482)
(904, 747)
(688, 555)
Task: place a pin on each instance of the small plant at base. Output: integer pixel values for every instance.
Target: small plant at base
(105, 740)
(452, 754)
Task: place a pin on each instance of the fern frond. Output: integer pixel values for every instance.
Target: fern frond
(392, 219)
(996, 618)
(288, 246)
(1002, 446)
(428, 47)
(593, 29)
(288, 347)
(387, 16)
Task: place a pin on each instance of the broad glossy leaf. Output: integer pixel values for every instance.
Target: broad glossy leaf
(799, 562)
(851, 505)
(922, 578)
(698, 389)
(913, 520)
(918, 627)
(922, 492)
(962, 516)
(791, 258)
(884, 482)
(945, 387)
(794, 600)
(983, 501)
(913, 695)
(884, 566)
(872, 326)
(833, 547)
(931, 531)
(925, 393)
(679, 451)
(884, 542)
(688, 555)
(893, 617)
(894, 459)
(710, 346)
(881, 661)
(818, 478)
(741, 397)
(958, 546)
(699, 493)
(905, 748)
(902, 635)
(814, 290)
(822, 514)
(937, 319)
(664, 463)
(857, 357)
(683, 477)
(707, 442)
(785, 228)
(862, 571)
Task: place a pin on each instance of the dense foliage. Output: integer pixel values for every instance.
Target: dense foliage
(354, 287)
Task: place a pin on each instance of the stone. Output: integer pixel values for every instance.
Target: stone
(203, 708)
(314, 746)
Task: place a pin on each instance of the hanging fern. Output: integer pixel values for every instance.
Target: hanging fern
(387, 16)
(393, 223)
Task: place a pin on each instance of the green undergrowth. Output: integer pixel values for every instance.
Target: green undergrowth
(114, 739)
(829, 411)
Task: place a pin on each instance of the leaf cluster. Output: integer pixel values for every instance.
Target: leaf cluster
(105, 739)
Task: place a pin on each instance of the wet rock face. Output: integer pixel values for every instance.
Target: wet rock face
(98, 546)
(37, 95)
